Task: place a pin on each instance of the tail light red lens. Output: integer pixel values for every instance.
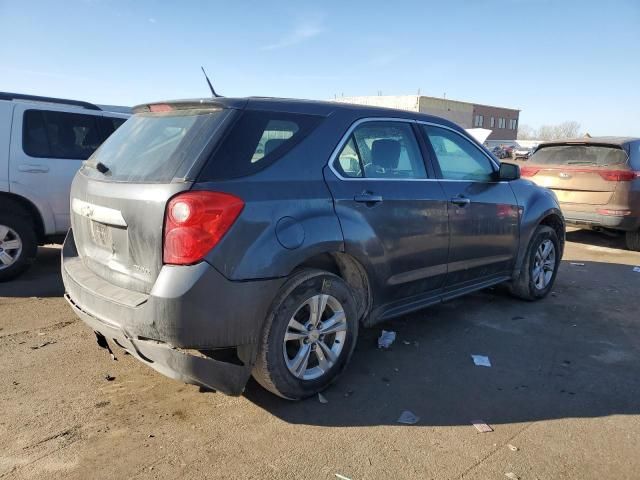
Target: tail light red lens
(195, 222)
(528, 171)
(618, 175)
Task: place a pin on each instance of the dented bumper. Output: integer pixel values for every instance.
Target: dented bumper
(190, 309)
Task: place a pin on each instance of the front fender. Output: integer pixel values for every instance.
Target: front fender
(536, 204)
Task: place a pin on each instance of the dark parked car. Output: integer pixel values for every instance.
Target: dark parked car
(214, 239)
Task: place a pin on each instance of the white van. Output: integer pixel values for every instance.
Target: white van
(43, 142)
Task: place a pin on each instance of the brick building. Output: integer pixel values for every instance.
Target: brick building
(502, 121)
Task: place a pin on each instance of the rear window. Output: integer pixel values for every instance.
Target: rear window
(589, 155)
(256, 140)
(151, 147)
(51, 134)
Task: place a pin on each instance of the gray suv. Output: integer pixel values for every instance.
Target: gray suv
(220, 238)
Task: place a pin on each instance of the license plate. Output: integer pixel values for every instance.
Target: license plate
(101, 234)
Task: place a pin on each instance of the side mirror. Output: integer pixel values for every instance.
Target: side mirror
(509, 171)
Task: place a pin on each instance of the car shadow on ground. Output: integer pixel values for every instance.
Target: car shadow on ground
(597, 239)
(574, 354)
(43, 279)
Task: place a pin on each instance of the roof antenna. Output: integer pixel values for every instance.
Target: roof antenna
(213, 92)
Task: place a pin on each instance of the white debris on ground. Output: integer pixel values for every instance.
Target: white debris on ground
(386, 339)
(481, 426)
(322, 398)
(408, 418)
(577, 264)
(481, 360)
(636, 269)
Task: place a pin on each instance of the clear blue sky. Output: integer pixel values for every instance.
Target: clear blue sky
(554, 60)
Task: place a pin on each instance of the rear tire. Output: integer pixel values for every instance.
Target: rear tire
(540, 266)
(296, 358)
(18, 245)
(633, 240)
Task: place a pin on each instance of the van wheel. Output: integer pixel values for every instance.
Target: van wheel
(540, 266)
(633, 240)
(309, 335)
(18, 245)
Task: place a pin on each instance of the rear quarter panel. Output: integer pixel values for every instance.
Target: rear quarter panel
(288, 215)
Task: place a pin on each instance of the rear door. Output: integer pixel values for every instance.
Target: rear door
(393, 216)
(579, 174)
(48, 147)
(483, 212)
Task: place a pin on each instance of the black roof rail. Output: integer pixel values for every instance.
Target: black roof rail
(36, 98)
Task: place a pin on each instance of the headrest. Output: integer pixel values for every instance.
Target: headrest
(385, 153)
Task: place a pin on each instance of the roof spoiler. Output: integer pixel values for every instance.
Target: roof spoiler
(36, 98)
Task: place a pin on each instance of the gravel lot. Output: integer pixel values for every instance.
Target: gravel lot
(564, 390)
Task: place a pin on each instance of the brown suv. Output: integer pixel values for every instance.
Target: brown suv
(596, 180)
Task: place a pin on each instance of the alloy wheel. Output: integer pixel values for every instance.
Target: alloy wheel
(10, 246)
(315, 337)
(544, 264)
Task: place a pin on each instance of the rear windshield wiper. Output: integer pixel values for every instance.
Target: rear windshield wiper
(102, 168)
(99, 166)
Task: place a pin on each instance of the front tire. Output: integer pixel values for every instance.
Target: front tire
(309, 335)
(633, 240)
(540, 266)
(18, 245)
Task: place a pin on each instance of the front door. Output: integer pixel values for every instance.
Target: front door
(483, 212)
(393, 217)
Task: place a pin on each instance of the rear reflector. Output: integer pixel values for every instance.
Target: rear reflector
(195, 222)
(618, 175)
(528, 171)
(613, 213)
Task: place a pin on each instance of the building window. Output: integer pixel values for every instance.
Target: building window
(502, 123)
(513, 123)
(493, 122)
(478, 121)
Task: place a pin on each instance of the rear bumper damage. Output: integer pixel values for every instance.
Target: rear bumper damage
(191, 312)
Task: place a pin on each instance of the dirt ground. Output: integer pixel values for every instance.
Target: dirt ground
(563, 389)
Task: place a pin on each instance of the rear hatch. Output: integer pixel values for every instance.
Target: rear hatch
(119, 196)
(579, 173)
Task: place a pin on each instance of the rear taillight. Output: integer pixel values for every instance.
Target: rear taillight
(618, 175)
(195, 222)
(528, 171)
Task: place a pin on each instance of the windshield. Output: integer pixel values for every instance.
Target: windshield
(593, 155)
(151, 147)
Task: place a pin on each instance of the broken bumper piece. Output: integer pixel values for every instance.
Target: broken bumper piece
(173, 362)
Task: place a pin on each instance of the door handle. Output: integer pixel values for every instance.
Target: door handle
(33, 168)
(367, 197)
(460, 201)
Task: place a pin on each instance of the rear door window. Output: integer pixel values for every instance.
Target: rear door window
(51, 134)
(255, 141)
